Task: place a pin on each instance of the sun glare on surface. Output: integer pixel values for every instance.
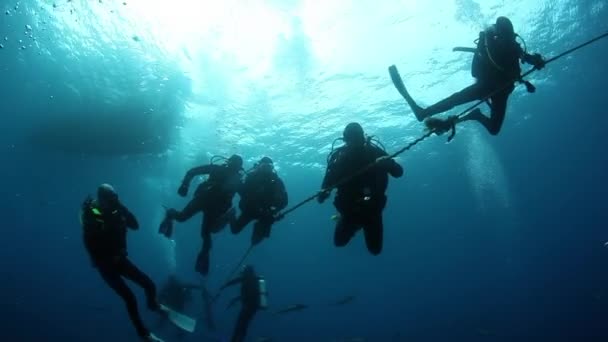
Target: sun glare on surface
(243, 32)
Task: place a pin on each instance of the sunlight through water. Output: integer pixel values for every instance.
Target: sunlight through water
(292, 72)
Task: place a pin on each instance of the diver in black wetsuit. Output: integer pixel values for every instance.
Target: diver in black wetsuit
(361, 200)
(496, 68)
(261, 197)
(175, 293)
(208, 308)
(253, 298)
(105, 222)
(213, 198)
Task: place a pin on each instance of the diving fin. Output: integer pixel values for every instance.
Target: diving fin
(180, 320)
(153, 338)
(398, 82)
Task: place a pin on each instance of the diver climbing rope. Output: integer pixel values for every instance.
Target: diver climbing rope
(449, 125)
(452, 124)
(527, 73)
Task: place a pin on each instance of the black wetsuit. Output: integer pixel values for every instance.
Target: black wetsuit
(250, 304)
(213, 198)
(176, 294)
(208, 308)
(360, 201)
(105, 238)
(262, 195)
(495, 67)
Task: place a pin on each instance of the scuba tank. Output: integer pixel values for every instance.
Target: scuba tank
(263, 294)
(482, 54)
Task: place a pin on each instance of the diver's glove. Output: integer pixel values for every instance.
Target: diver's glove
(268, 214)
(440, 126)
(183, 190)
(537, 60)
(322, 196)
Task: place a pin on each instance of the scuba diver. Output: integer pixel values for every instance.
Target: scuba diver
(262, 195)
(105, 222)
(360, 200)
(253, 298)
(175, 294)
(208, 308)
(495, 67)
(213, 198)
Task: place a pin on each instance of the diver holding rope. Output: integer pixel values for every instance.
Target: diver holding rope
(440, 127)
(496, 67)
(361, 200)
(213, 198)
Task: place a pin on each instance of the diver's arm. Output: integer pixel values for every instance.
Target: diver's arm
(389, 164)
(330, 178)
(325, 190)
(197, 171)
(326, 178)
(533, 59)
(525, 57)
(131, 220)
(244, 187)
(395, 169)
(328, 182)
(281, 198)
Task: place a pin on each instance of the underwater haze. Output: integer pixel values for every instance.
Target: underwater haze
(487, 238)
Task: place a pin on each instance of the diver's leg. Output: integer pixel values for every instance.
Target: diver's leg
(346, 227)
(373, 231)
(194, 206)
(242, 324)
(240, 223)
(131, 272)
(473, 92)
(219, 217)
(498, 105)
(499, 110)
(202, 261)
(112, 276)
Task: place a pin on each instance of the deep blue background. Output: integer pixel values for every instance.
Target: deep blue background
(449, 271)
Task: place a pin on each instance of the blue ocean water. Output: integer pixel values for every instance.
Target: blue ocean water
(487, 238)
